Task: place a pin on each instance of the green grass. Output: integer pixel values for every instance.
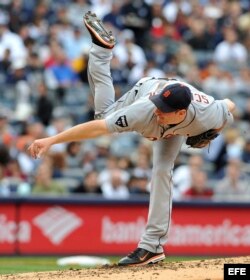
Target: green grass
(27, 264)
(11, 265)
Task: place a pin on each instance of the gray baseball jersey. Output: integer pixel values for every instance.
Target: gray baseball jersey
(135, 112)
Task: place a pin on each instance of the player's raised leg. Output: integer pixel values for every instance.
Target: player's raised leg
(100, 36)
(99, 76)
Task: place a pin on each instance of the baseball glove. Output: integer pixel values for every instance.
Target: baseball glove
(203, 139)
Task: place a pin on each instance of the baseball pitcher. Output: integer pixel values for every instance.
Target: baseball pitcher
(166, 111)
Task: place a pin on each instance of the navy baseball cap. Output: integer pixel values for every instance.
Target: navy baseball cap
(173, 97)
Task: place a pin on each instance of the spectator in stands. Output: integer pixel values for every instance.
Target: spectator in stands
(243, 22)
(6, 130)
(15, 180)
(14, 171)
(18, 15)
(234, 143)
(199, 187)
(80, 67)
(63, 74)
(125, 163)
(182, 176)
(5, 63)
(245, 114)
(235, 184)
(214, 33)
(215, 156)
(31, 131)
(44, 108)
(144, 148)
(138, 18)
(159, 54)
(12, 179)
(58, 164)
(89, 184)
(131, 55)
(193, 77)
(113, 17)
(5, 188)
(106, 171)
(41, 19)
(34, 69)
(246, 152)
(246, 40)
(242, 84)
(75, 44)
(74, 155)
(4, 155)
(18, 80)
(105, 161)
(116, 187)
(48, 53)
(139, 183)
(109, 165)
(157, 30)
(58, 124)
(185, 59)
(89, 160)
(228, 146)
(142, 165)
(119, 75)
(3, 191)
(18, 71)
(10, 40)
(26, 163)
(217, 82)
(152, 70)
(75, 10)
(160, 24)
(197, 37)
(44, 183)
(231, 54)
(231, 13)
(101, 7)
(172, 9)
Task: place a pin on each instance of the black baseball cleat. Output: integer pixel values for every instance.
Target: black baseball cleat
(100, 36)
(141, 257)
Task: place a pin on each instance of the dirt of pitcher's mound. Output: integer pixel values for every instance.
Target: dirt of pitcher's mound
(211, 269)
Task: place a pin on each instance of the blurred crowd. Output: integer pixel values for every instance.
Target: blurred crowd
(44, 90)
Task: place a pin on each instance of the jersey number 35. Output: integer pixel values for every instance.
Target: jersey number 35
(201, 98)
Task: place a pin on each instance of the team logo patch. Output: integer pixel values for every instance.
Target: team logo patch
(122, 121)
(166, 93)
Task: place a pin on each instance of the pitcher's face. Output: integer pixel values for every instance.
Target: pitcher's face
(170, 118)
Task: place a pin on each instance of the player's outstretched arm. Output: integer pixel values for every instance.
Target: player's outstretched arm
(79, 132)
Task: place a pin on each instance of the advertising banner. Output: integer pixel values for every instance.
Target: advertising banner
(8, 229)
(116, 229)
(210, 231)
(82, 229)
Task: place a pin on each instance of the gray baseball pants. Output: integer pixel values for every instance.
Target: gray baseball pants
(165, 152)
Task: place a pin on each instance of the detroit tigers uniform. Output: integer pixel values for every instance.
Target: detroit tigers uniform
(134, 111)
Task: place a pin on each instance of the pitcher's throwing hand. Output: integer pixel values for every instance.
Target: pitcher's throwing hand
(39, 147)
